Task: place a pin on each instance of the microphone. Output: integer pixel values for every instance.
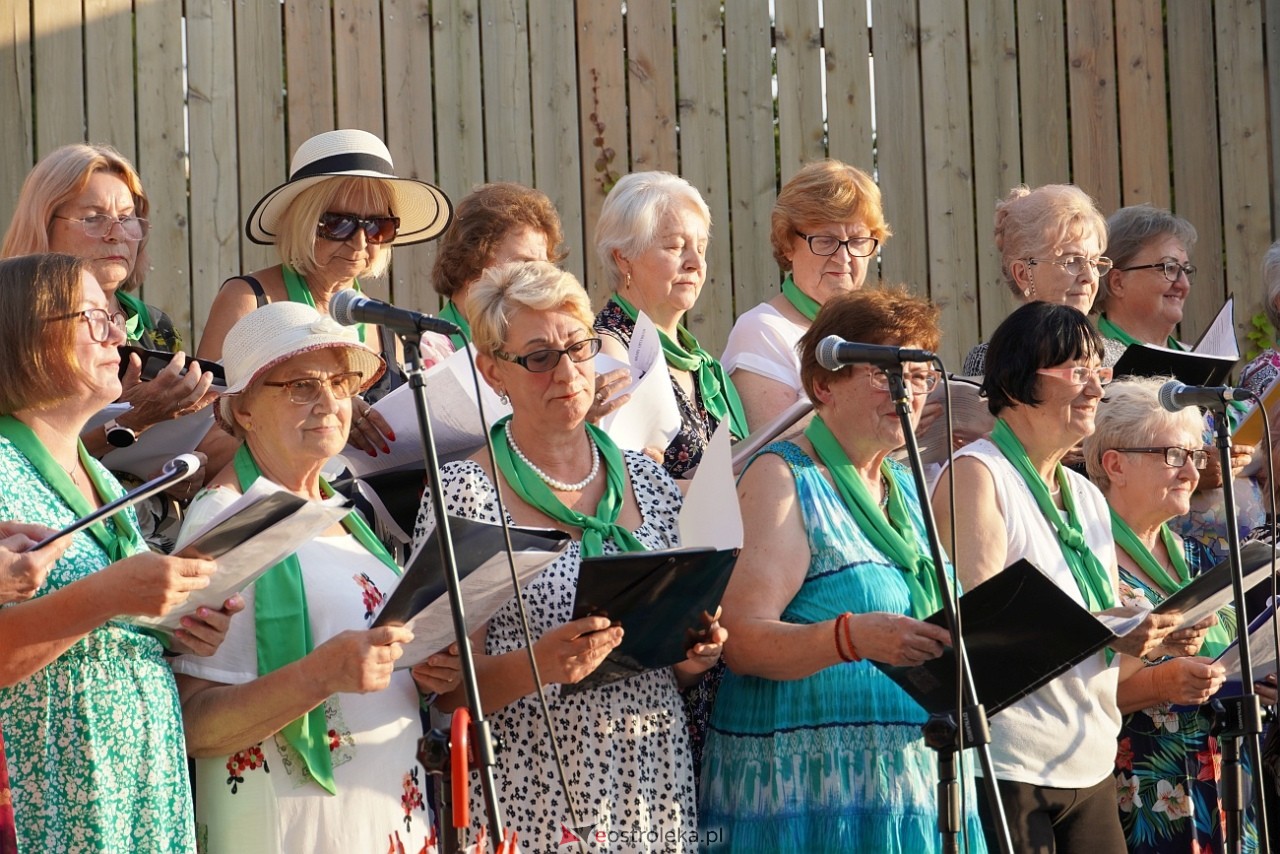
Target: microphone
(349, 308)
(179, 468)
(1174, 395)
(835, 353)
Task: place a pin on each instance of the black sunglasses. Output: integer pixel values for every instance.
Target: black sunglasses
(340, 226)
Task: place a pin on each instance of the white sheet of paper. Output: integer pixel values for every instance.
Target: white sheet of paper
(710, 516)
(1219, 339)
(651, 419)
(157, 444)
(1262, 653)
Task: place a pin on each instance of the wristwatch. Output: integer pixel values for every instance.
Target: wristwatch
(119, 435)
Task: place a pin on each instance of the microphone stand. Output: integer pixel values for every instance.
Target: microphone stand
(1238, 717)
(482, 737)
(942, 732)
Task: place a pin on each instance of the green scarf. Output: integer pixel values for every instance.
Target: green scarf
(1115, 333)
(894, 537)
(595, 529)
(284, 628)
(298, 291)
(116, 536)
(451, 313)
(800, 301)
(1091, 576)
(718, 394)
(136, 314)
(1219, 637)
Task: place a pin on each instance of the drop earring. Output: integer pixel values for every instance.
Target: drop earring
(503, 399)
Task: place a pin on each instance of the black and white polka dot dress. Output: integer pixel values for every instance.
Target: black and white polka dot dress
(624, 745)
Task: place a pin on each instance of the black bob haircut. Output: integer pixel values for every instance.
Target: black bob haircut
(1037, 335)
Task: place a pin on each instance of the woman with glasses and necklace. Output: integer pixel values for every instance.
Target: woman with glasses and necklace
(1053, 750)
(1146, 461)
(333, 222)
(825, 228)
(624, 747)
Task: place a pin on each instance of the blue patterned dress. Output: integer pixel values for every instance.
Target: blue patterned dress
(834, 761)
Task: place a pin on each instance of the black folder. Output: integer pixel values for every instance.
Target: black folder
(658, 598)
(244, 525)
(1148, 360)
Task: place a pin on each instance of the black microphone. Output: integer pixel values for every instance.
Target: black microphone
(1174, 395)
(835, 353)
(349, 308)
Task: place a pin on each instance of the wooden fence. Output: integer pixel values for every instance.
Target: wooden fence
(1172, 102)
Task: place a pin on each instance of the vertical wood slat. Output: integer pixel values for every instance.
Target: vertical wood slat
(460, 129)
(410, 136)
(1197, 176)
(846, 44)
(1140, 63)
(504, 37)
(17, 131)
(997, 155)
(215, 216)
(1091, 79)
(162, 162)
(263, 162)
(556, 123)
(308, 43)
(948, 167)
(800, 114)
(651, 88)
(602, 99)
(701, 112)
(108, 59)
(1271, 16)
(59, 75)
(899, 143)
(1043, 90)
(752, 174)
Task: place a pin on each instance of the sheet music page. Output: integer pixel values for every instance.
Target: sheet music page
(1262, 649)
(710, 517)
(651, 419)
(1219, 339)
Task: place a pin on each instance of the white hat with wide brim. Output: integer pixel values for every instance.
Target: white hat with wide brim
(424, 209)
(278, 331)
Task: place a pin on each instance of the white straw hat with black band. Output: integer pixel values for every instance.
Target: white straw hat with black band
(424, 210)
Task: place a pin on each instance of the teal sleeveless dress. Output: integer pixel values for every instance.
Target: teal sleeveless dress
(835, 761)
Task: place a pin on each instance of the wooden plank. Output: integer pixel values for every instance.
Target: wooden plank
(263, 160)
(651, 87)
(900, 146)
(215, 212)
(1140, 65)
(17, 132)
(1043, 92)
(459, 107)
(605, 140)
(703, 137)
(753, 186)
(997, 155)
(57, 29)
(948, 164)
(507, 109)
(1197, 177)
(410, 135)
(162, 162)
(1091, 79)
(798, 39)
(1271, 15)
(109, 62)
(846, 43)
(357, 65)
(309, 69)
(553, 79)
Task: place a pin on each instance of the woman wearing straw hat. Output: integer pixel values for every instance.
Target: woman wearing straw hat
(304, 735)
(334, 221)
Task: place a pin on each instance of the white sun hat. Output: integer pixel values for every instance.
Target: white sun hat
(278, 331)
(424, 210)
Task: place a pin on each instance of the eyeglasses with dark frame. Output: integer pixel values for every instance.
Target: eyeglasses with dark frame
(100, 225)
(1171, 269)
(1079, 374)
(541, 361)
(338, 227)
(1076, 264)
(305, 391)
(920, 382)
(1174, 457)
(826, 245)
(99, 321)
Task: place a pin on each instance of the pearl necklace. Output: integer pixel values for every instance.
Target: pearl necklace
(548, 479)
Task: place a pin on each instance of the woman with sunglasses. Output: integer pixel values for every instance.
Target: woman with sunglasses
(301, 728)
(1147, 461)
(333, 222)
(623, 744)
(1053, 750)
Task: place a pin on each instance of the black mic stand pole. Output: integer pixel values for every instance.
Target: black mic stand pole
(1238, 717)
(941, 732)
(482, 737)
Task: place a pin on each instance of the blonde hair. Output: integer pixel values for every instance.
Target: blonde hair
(1130, 416)
(1032, 222)
(296, 230)
(822, 192)
(59, 177)
(632, 212)
(506, 289)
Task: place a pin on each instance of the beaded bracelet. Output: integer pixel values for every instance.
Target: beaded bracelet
(844, 656)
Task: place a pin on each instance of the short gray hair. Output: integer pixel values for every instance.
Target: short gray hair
(1131, 228)
(1271, 279)
(1129, 416)
(632, 211)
